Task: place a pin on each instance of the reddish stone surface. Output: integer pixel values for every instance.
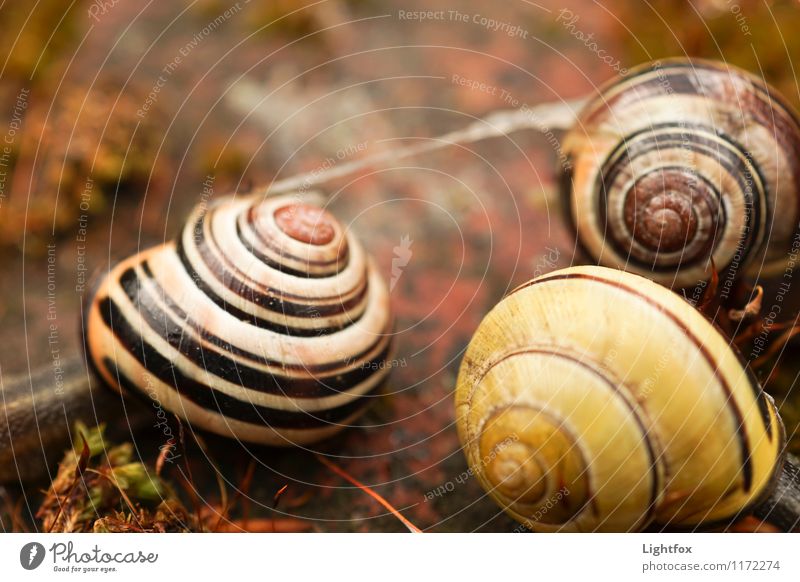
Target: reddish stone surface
(255, 102)
(268, 95)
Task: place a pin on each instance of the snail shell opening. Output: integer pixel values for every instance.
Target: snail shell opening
(264, 321)
(682, 161)
(591, 399)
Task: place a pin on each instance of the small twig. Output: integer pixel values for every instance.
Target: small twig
(187, 480)
(162, 456)
(275, 499)
(756, 328)
(14, 510)
(17, 522)
(121, 492)
(80, 468)
(243, 491)
(223, 491)
(262, 525)
(711, 291)
(346, 476)
(190, 489)
(778, 345)
(752, 308)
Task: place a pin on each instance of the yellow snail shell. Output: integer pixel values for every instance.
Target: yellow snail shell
(594, 399)
(680, 161)
(265, 321)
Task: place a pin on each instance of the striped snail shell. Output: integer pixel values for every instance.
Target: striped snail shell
(265, 321)
(682, 161)
(592, 399)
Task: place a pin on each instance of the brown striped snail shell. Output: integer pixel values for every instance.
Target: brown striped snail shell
(594, 399)
(264, 321)
(681, 161)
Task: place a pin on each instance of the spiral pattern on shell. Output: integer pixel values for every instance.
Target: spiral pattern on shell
(591, 399)
(682, 161)
(265, 321)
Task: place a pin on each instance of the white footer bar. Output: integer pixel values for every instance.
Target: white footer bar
(406, 557)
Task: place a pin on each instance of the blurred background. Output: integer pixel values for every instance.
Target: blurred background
(116, 114)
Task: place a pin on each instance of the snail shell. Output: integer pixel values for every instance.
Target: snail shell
(265, 321)
(593, 399)
(682, 161)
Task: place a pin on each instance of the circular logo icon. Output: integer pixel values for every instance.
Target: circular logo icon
(31, 555)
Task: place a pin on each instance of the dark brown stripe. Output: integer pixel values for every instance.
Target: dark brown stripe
(655, 481)
(274, 303)
(237, 281)
(275, 264)
(618, 243)
(219, 363)
(751, 185)
(342, 258)
(251, 319)
(180, 315)
(714, 81)
(233, 408)
(746, 461)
